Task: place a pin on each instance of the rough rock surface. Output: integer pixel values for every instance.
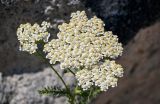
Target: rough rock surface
(125, 17)
(141, 61)
(24, 88)
(22, 11)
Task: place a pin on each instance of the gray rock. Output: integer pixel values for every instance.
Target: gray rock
(126, 17)
(1, 87)
(24, 88)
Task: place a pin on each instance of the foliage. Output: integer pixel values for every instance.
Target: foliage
(56, 91)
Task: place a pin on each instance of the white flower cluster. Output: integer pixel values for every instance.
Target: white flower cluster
(28, 35)
(82, 43)
(103, 75)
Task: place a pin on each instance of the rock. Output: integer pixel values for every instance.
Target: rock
(22, 11)
(125, 17)
(141, 61)
(61, 99)
(1, 87)
(24, 88)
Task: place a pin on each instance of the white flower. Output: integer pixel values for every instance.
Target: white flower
(84, 78)
(104, 75)
(83, 42)
(28, 35)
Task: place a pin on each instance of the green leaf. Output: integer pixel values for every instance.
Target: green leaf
(53, 91)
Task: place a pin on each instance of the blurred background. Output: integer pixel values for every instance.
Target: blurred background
(136, 22)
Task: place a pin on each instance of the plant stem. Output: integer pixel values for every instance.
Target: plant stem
(90, 93)
(71, 71)
(71, 98)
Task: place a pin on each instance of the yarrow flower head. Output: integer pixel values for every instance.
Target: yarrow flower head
(29, 34)
(83, 44)
(102, 75)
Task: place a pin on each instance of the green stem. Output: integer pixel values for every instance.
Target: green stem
(90, 93)
(71, 71)
(71, 98)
